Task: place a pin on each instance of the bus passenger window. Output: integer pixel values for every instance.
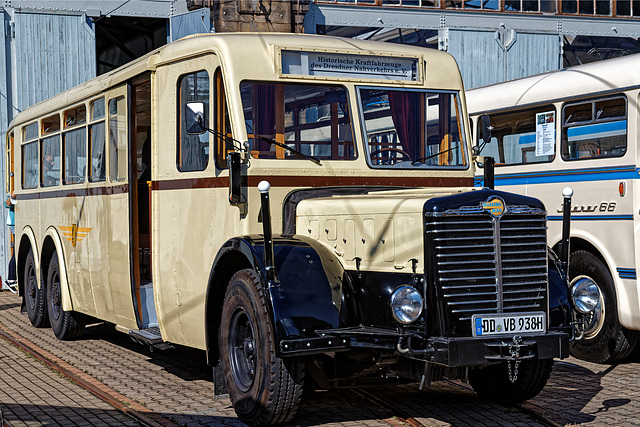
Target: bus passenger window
(98, 168)
(513, 136)
(117, 139)
(74, 145)
(50, 161)
(193, 150)
(595, 129)
(30, 156)
(75, 156)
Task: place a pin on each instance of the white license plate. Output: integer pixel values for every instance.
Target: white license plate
(508, 324)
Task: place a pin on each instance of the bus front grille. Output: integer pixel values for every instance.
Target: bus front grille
(482, 264)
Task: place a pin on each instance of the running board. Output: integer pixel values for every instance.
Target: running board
(150, 337)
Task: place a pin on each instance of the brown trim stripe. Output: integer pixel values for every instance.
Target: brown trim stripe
(252, 181)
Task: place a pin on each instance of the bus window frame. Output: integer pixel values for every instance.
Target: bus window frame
(593, 121)
(464, 155)
(91, 122)
(73, 128)
(281, 129)
(535, 109)
(180, 120)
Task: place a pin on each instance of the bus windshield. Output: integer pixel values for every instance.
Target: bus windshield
(412, 129)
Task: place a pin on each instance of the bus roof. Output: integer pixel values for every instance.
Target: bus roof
(582, 80)
(247, 56)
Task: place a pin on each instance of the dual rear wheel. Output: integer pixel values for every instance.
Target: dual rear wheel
(44, 304)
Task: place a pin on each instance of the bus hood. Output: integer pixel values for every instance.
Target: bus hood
(380, 231)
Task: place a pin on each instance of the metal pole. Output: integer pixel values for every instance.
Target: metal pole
(489, 166)
(567, 193)
(264, 187)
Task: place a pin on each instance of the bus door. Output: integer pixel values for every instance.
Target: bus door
(140, 193)
(111, 246)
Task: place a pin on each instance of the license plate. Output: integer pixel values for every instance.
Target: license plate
(508, 324)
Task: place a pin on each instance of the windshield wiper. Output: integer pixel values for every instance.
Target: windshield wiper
(422, 159)
(291, 150)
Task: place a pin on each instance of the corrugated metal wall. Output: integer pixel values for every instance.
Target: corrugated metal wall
(52, 53)
(487, 57)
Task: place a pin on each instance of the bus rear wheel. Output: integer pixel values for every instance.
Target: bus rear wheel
(263, 388)
(35, 299)
(604, 339)
(66, 325)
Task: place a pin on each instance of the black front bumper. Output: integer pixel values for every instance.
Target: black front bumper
(451, 352)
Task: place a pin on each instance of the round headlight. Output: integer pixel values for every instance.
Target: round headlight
(585, 294)
(406, 304)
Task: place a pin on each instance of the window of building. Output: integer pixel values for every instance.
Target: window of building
(594, 129)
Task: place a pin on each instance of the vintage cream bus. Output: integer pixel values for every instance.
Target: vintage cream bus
(143, 200)
(579, 127)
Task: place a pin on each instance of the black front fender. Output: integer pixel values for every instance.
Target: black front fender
(307, 294)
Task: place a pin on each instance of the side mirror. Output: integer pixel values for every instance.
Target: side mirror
(194, 118)
(485, 122)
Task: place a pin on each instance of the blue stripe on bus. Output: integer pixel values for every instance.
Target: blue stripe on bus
(598, 129)
(627, 273)
(563, 176)
(592, 217)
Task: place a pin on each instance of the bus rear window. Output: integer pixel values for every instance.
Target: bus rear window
(313, 120)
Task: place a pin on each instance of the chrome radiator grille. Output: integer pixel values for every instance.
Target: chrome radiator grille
(483, 264)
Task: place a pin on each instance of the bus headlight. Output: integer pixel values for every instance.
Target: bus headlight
(585, 294)
(406, 304)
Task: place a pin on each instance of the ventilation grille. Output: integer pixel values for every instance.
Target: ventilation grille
(486, 265)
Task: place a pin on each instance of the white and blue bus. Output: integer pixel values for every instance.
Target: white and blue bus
(578, 127)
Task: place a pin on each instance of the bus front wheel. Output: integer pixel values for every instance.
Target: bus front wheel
(493, 382)
(263, 388)
(604, 339)
(35, 299)
(66, 325)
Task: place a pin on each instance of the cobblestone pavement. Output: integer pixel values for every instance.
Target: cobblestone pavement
(177, 384)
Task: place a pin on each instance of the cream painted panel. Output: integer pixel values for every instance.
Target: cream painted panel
(190, 223)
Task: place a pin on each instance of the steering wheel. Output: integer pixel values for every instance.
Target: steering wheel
(405, 155)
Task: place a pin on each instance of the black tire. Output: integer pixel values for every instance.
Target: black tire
(492, 382)
(605, 340)
(35, 299)
(264, 389)
(66, 325)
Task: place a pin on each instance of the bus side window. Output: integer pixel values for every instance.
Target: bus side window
(30, 156)
(117, 139)
(74, 143)
(224, 137)
(98, 167)
(595, 129)
(513, 139)
(193, 149)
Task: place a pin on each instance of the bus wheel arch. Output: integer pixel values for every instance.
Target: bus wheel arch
(263, 388)
(605, 340)
(26, 244)
(226, 265)
(53, 244)
(66, 325)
